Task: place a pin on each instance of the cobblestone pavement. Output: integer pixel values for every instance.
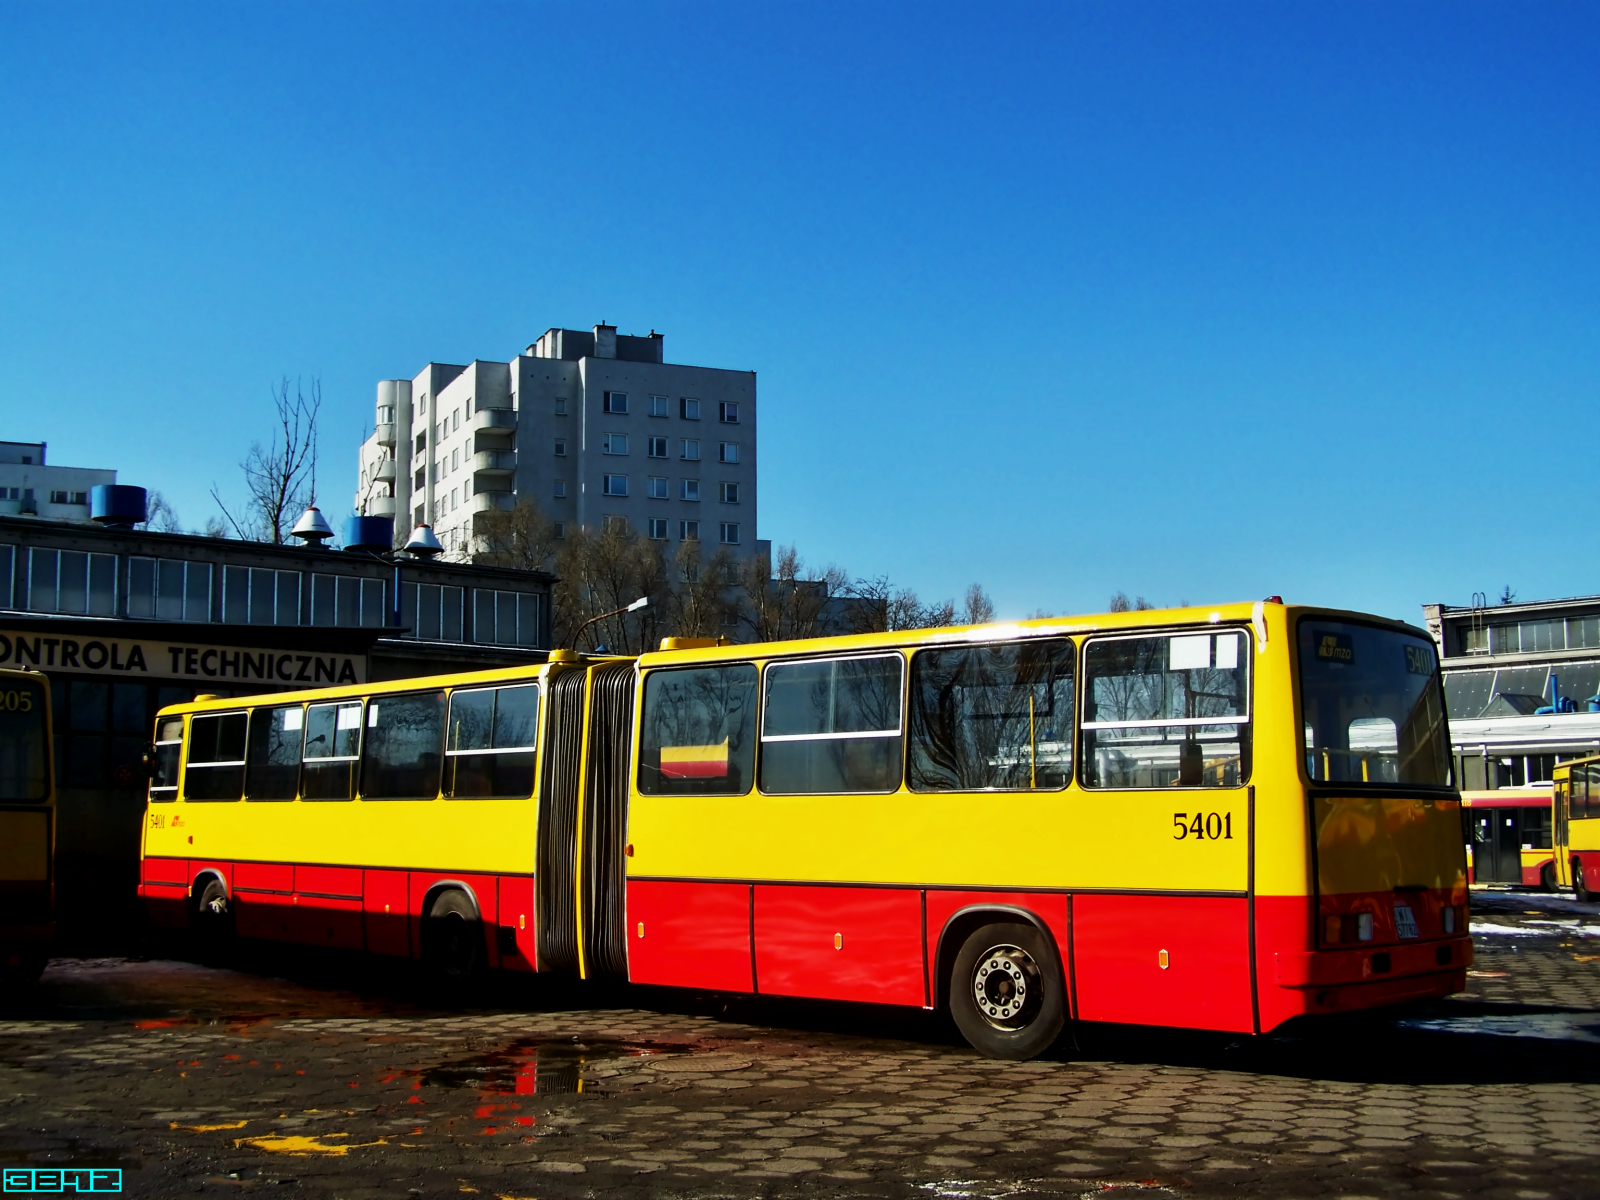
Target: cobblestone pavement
(322, 1077)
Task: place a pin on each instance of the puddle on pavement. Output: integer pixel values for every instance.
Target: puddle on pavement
(1555, 1027)
(548, 1068)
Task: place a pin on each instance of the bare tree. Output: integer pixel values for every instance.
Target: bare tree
(697, 604)
(160, 516)
(521, 537)
(885, 608)
(786, 599)
(280, 476)
(978, 608)
(1121, 603)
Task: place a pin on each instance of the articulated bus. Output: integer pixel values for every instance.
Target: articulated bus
(1508, 837)
(1209, 818)
(1576, 833)
(27, 828)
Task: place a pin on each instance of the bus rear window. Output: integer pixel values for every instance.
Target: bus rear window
(1374, 714)
(24, 761)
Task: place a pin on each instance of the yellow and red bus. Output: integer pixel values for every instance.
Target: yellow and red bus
(27, 827)
(1508, 835)
(1212, 818)
(1576, 826)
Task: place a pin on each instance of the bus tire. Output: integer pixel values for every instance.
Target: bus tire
(18, 976)
(211, 921)
(452, 937)
(1006, 991)
(1580, 887)
(1547, 877)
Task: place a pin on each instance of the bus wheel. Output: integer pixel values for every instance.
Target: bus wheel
(20, 971)
(212, 921)
(1547, 877)
(452, 937)
(1580, 887)
(1006, 994)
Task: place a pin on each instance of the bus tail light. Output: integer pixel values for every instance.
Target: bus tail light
(1347, 927)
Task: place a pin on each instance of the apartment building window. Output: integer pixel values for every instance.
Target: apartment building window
(614, 485)
(689, 489)
(658, 406)
(658, 447)
(728, 413)
(422, 441)
(421, 480)
(560, 530)
(729, 533)
(455, 460)
(688, 531)
(658, 529)
(689, 409)
(561, 406)
(658, 487)
(71, 581)
(615, 443)
(730, 493)
(561, 447)
(728, 452)
(561, 489)
(69, 497)
(10, 493)
(691, 449)
(612, 523)
(616, 402)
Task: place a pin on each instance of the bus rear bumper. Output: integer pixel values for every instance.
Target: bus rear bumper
(1343, 980)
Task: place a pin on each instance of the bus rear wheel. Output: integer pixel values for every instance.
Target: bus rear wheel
(1006, 993)
(1580, 886)
(212, 921)
(452, 938)
(1547, 877)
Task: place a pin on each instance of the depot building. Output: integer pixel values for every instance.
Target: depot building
(126, 621)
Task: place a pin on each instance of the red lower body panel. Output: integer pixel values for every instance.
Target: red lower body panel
(327, 907)
(518, 949)
(1163, 960)
(263, 901)
(840, 943)
(385, 912)
(689, 934)
(164, 887)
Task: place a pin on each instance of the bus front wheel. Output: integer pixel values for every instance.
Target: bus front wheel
(452, 937)
(1580, 886)
(212, 921)
(1006, 993)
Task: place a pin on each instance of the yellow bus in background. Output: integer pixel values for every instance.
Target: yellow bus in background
(27, 828)
(1217, 818)
(1576, 826)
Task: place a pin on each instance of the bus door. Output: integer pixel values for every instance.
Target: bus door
(1496, 845)
(583, 817)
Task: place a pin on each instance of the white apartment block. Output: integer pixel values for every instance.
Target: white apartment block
(595, 427)
(30, 488)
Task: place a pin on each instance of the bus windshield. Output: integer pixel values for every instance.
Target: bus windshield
(1373, 712)
(24, 762)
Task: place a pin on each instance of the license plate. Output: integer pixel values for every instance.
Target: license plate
(1405, 921)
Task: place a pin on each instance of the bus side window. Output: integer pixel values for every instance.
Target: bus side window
(1583, 789)
(492, 743)
(1171, 710)
(405, 747)
(168, 747)
(332, 749)
(991, 716)
(272, 766)
(698, 732)
(216, 757)
(832, 726)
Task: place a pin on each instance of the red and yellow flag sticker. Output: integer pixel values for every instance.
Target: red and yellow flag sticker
(695, 762)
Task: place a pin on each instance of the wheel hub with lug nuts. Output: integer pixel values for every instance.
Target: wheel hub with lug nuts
(1003, 985)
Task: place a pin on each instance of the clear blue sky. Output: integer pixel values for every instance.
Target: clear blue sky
(1199, 301)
